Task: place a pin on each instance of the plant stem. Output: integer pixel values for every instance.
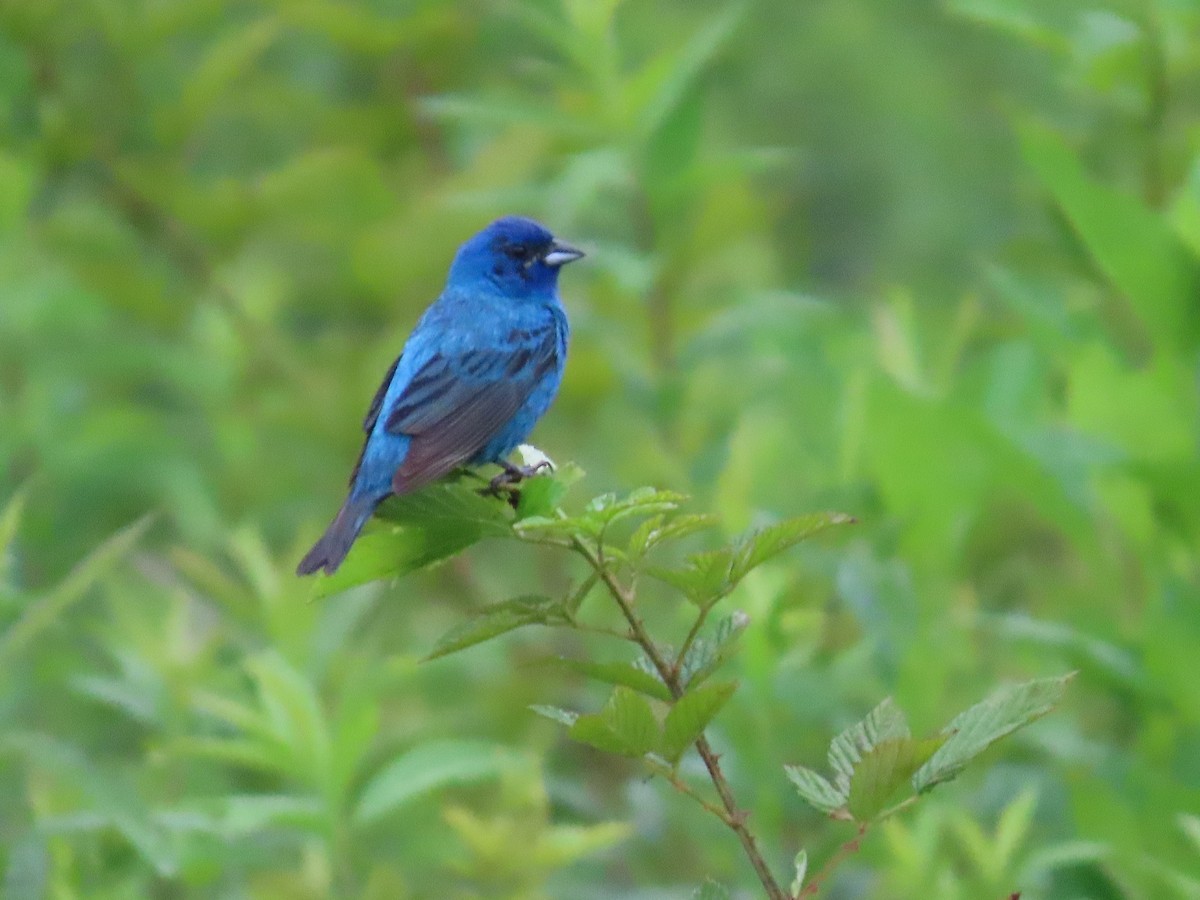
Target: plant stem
(672, 777)
(847, 849)
(733, 816)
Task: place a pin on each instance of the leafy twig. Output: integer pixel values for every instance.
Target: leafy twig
(733, 816)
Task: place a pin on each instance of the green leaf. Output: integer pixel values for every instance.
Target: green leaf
(226, 63)
(706, 655)
(1134, 247)
(427, 768)
(816, 791)
(710, 890)
(297, 719)
(43, 611)
(705, 578)
(539, 496)
(659, 528)
(498, 619)
(620, 673)
(883, 769)
(884, 722)
(625, 726)
(690, 715)
(246, 814)
(973, 731)
(759, 546)
(643, 501)
(708, 577)
(666, 81)
(436, 523)
(451, 504)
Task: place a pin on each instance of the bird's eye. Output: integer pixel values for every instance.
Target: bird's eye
(518, 252)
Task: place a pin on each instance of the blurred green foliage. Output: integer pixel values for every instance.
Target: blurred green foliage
(934, 264)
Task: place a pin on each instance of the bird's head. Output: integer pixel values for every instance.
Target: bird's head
(516, 255)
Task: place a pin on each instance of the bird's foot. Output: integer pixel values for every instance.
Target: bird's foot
(505, 483)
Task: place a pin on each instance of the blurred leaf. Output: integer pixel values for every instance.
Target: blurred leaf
(45, 609)
(246, 814)
(1020, 18)
(619, 673)
(500, 618)
(26, 875)
(690, 715)
(10, 523)
(815, 789)
(883, 770)
(429, 767)
(105, 793)
(664, 84)
(625, 726)
(1134, 247)
(225, 62)
(710, 890)
(973, 731)
(296, 715)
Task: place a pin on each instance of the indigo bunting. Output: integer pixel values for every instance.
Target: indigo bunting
(481, 367)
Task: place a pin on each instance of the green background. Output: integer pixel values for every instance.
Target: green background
(931, 264)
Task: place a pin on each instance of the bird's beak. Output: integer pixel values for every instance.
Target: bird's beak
(560, 254)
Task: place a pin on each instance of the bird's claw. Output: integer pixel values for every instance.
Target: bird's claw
(505, 483)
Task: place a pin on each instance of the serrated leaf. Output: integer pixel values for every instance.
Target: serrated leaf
(883, 769)
(710, 890)
(973, 731)
(620, 673)
(556, 714)
(815, 790)
(625, 726)
(500, 618)
(426, 768)
(690, 715)
(756, 548)
(659, 529)
(436, 523)
(643, 501)
(706, 655)
(449, 503)
(705, 578)
(882, 723)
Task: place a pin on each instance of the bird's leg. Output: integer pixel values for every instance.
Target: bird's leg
(512, 475)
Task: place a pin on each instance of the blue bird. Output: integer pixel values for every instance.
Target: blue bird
(476, 374)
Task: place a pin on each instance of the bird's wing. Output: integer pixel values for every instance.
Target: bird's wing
(456, 402)
(373, 416)
(377, 400)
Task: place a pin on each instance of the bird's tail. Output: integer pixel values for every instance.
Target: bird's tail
(328, 552)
